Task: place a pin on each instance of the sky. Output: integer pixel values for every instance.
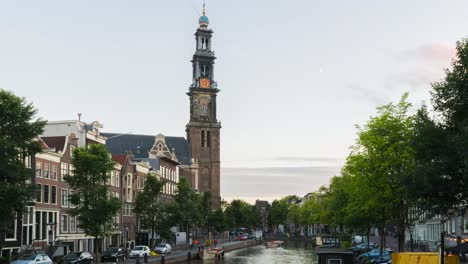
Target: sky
(295, 76)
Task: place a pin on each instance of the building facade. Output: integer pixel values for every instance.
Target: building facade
(203, 128)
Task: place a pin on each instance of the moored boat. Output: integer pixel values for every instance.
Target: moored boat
(212, 253)
(275, 243)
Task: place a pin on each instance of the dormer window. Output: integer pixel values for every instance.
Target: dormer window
(160, 147)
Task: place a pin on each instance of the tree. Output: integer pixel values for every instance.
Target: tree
(94, 208)
(441, 142)
(240, 214)
(278, 214)
(19, 129)
(382, 161)
(148, 206)
(186, 207)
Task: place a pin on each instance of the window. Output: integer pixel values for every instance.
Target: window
(112, 183)
(71, 204)
(127, 210)
(71, 170)
(72, 224)
(38, 193)
(465, 223)
(53, 174)
(46, 171)
(129, 195)
(27, 161)
(37, 234)
(129, 180)
(64, 167)
(10, 233)
(208, 138)
(203, 139)
(44, 225)
(64, 197)
(39, 169)
(46, 193)
(117, 179)
(64, 223)
(54, 195)
(72, 148)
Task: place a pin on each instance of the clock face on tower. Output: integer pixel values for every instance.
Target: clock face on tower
(204, 83)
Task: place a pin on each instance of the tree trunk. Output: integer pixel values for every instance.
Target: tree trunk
(411, 241)
(96, 251)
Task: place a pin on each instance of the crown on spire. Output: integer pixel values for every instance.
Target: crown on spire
(204, 21)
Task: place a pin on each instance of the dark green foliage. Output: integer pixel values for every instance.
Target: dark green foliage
(94, 208)
(240, 214)
(19, 131)
(148, 206)
(441, 143)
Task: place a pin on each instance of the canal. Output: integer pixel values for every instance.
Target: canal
(292, 252)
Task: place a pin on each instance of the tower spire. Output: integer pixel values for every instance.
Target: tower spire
(204, 8)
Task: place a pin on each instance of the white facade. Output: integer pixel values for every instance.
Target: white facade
(81, 130)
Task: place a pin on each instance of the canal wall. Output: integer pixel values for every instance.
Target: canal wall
(183, 258)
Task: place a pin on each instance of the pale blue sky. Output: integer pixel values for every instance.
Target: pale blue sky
(295, 76)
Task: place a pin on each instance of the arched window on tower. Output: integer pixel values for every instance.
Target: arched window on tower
(203, 139)
(208, 138)
(205, 70)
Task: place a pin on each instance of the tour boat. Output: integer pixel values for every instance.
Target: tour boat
(275, 243)
(212, 253)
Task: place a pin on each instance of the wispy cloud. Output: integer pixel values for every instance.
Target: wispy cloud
(439, 54)
(375, 97)
(421, 66)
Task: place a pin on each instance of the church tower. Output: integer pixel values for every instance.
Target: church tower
(203, 129)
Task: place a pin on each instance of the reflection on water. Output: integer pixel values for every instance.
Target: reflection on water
(294, 253)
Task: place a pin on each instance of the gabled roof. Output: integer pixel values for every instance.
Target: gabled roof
(140, 145)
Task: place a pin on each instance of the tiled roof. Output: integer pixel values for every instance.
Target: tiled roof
(140, 145)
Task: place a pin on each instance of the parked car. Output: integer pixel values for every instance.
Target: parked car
(364, 247)
(78, 258)
(140, 251)
(242, 237)
(163, 248)
(375, 254)
(113, 254)
(33, 259)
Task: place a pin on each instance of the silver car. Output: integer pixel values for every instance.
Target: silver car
(36, 258)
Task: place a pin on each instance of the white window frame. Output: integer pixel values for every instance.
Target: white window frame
(52, 172)
(46, 174)
(64, 197)
(62, 225)
(63, 170)
(70, 230)
(48, 195)
(15, 230)
(71, 192)
(51, 194)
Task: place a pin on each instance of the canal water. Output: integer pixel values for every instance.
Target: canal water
(292, 252)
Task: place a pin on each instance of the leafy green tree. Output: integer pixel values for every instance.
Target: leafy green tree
(19, 130)
(217, 221)
(278, 214)
(382, 160)
(441, 141)
(186, 207)
(148, 206)
(94, 209)
(241, 214)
